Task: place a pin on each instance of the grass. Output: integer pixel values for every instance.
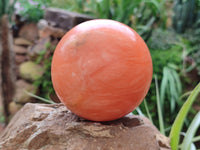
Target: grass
(178, 123)
(176, 129)
(49, 101)
(159, 108)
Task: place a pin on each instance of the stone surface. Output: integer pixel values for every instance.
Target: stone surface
(20, 58)
(20, 49)
(64, 19)
(20, 95)
(20, 54)
(42, 23)
(49, 31)
(2, 127)
(22, 42)
(14, 107)
(30, 71)
(36, 49)
(29, 31)
(52, 126)
(46, 31)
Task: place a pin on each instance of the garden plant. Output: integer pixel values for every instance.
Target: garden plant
(171, 32)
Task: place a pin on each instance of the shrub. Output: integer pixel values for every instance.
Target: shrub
(32, 10)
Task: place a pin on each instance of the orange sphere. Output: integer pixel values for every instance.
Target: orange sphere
(101, 70)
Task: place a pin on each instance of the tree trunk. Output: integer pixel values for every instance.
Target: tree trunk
(8, 76)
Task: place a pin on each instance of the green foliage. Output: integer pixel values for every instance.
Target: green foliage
(141, 14)
(162, 57)
(171, 89)
(44, 83)
(187, 19)
(187, 141)
(175, 130)
(167, 99)
(162, 39)
(191, 42)
(2, 118)
(147, 110)
(6, 7)
(186, 14)
(183, 14)
(168, 76)
(159, 108)
(71, 5)
(32, 10)
(180, 118)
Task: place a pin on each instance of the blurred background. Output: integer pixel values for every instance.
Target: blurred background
(31, 29)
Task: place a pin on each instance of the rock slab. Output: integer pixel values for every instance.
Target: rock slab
(29, 31)
(53, 126)
(64, 19)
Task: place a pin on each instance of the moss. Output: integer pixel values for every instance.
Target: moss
(30, 71)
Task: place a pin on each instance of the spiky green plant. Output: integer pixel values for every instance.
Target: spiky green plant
(6, 7)
(179, 121)
(176, 130)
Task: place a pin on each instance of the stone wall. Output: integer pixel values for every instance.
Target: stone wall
(30, 39)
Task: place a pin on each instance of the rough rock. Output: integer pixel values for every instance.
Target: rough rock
(64, 19)
(42, 24)
(20, 95)
(46, 31)
(20, 49)
(20, 54)
(14, 107)
(52, 126)
(30, 71)
(2, 127)
(29, 31)
(35, 50)
(20, 58)
(22, 41)
(49, 31)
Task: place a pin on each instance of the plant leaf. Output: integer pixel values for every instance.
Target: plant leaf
(139, 111)
(164, 85)
(147, 110)
(160, 116)
(40, 98)
(187, 141)
(195, 139)
(178, 123)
